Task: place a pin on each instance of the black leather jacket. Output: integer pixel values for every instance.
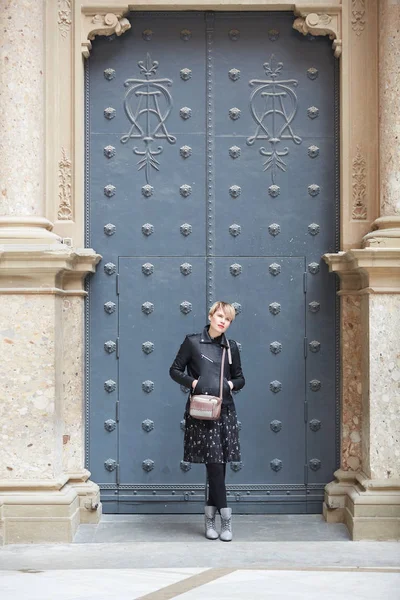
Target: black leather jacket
(201, 357)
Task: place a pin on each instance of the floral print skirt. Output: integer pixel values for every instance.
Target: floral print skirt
(212, 441)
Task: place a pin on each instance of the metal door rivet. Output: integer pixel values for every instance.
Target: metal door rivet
(275, 426)
(148, 465)
(110, 268)
(109, 151)
(147, 308)
(147, 35)
(109, 190)
(312, 73)
(185, 35)
(313, 151)
(234, 34)
(148, 347)
(274, 308)
(234, 74)
(274, 190)
(275, 347)
(147, 425)
(110, 425)
(275, 386)
(147, 229)
(235, 269)
(185, 74)
(313, 189)
(315, 425)
(185, 229)
(109, 113)
(185, 112)
(315, 464)
(185, 269)
(185, 307)
(147, 269)
(185, 466)
(313, 112)
(110, 464)
(315, 385)
(313, 229)
(109, 307)
(235, 229)
(110, 346)
(234, 151)
(273, 35)
(147, 190)
(110, 385)
(234, 113)
(314, 346)
(185, 151)
(185, 190)
(274, 269)
(274, 229)
(109, 74)
(109, 229)
(237, 307)
(313, 268)
(276, 464)
(314, 306)
(147, 386)
(235, 191)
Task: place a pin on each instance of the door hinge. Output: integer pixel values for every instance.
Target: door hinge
(305, 411)
(305, 282)
(117, 284)
(117, 474)
(305, 347)
(117, 411)
(306, 474)
(117, 347)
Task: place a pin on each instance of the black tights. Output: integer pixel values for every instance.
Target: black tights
(216, 485)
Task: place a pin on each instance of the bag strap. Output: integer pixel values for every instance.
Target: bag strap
(221, 381)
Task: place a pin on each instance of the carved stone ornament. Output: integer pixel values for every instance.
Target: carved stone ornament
(110, 307)
(147, 269)
(185, 466)
(148, 347)
(147, 308)
(101, 24)
(358, 16)
(274, 308)
(110, 425)
(321, 24)
(148, 386)
(359, 185)
(148, 465)
(64, 186)
(64, 17)
(276, 464)
(185, 307)
(185, 268)
(110, 386)
(147, 425)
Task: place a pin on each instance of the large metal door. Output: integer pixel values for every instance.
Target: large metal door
(212, 174)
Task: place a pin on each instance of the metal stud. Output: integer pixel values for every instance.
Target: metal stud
(235, 269)
(185, 190)
(313, 189)
(185, 229)
(274, 190)
(185, 112)
(147, 35)
(274, 229)
(185, 466)
(314, 306)
(109, 113)
(110, 346)
(147, 386)
(185, 74)
(274, 269)
(147, 229)
(236, 466)
(185, 151)
(109, 307)
(147, 425)
(275, 426)
(110, 464)
(275, 386)
(147, 347)
(314, 346)
(315, 425)
(109, 190)
(148, 465)
(110, 268)
(237, 307)
(273, 35)
(110, 425)
(234, 151)
(185, 269)
(313, 229)
(234, 74)
(275, 347)
(147, 190)
(109, 229)
(313, 112)
(315, 464)
(185, 307)
(147, 308)
(276, 464)
(235, 191)
(147, 269)
(110, 385)
(315, 385)
(109, 74)
(312, 73)
(313, 151)
(313, 268)
(234, 113)
(185, 35)
(274, 308)
(235, 229)
(109, 151)
(234, 35)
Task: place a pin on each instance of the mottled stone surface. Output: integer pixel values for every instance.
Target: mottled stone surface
(351, 342)
(73, 388)
(28, 415)
(384, 344)
(21, 107)
(389, 94)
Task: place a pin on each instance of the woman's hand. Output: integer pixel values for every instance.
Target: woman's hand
(230, 385)
(194, 383)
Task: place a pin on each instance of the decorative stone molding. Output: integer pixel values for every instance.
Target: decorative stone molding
(322, 23)
(368, 270)
(64, 17)
(101, 24)
(385, 233)
(27, 230)
(359, 187)
(64, 177)
(358, 16)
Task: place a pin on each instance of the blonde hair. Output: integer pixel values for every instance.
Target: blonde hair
(226, 308)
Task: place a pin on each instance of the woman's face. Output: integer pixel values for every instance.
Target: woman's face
(219, 323)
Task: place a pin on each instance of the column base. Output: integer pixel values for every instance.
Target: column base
(369, 508)
(46, 512)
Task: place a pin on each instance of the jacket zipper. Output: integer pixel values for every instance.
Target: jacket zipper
(206, 357)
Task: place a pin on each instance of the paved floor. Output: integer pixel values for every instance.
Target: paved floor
(163, 558)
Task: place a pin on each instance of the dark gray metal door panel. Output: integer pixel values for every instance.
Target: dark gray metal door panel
(158, 309)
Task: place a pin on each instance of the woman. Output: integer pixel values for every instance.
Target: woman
(212, 442)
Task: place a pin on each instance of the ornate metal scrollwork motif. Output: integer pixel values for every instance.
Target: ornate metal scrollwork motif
(236, 466)
(185, 307)
(147, 425)
(275, 347)
(148, 105)
(235, 229)
(110, 346)
(235, 269)
(276, 426)
(234, 74)
(147, 308)
(274, 308)
(274, 229)
(109, 307)
(185, 466)
(148, 347)
(275, 386)
(109, 151)
(148, 386)
(110, 464)
(274, 269)
(110, 268)
(148, 465)
(185, 229)
(147, 269)
(185, 269)
(110, 385)
(110, 425)
(276, 464)
(273, 106)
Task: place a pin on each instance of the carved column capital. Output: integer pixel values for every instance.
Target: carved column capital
(102, 24)
(322, 23)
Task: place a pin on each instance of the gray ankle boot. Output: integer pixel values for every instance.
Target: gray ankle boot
(209, 513)
(226, 524)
